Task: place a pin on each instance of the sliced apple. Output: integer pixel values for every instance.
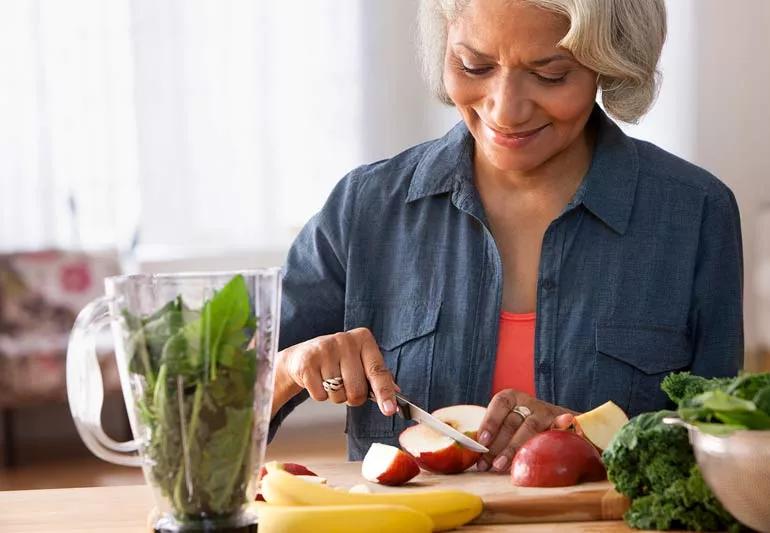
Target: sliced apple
(291, 468)
(600, 425)
(439, 453)
(388, 465)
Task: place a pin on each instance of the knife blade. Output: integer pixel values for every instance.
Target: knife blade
(410, 411)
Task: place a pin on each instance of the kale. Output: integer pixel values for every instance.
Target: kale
(648, 456)
(198, 377)
(682, 386)
(653, 464)
(687, 504)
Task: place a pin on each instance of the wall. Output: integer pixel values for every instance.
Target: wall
(733, 128)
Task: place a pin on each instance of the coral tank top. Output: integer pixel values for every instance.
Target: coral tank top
(515, 363)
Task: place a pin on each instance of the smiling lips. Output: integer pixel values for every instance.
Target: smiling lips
(513, 140)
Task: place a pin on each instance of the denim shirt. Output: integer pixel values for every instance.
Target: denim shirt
(639, 276)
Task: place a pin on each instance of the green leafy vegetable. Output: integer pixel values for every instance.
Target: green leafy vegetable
(197, 404)
(723, 405)
(682, 386)
(687, 503)
(653, 464)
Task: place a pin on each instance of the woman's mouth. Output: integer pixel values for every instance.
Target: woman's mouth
(516, 139)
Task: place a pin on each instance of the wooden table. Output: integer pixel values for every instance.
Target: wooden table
(125, 509)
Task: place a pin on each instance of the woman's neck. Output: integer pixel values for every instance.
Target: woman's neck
(560, 176)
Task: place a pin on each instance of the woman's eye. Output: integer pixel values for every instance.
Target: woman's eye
(553, 80)
(474, 71)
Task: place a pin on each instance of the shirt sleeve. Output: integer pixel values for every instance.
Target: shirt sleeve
(313, 293)
(717, 304)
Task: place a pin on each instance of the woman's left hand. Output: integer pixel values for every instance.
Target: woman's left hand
(503, 430)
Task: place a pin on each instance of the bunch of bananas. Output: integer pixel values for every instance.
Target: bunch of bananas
(295, 505)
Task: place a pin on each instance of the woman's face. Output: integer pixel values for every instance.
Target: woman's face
(524, 99)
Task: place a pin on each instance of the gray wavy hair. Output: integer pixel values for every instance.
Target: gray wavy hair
(620, 40)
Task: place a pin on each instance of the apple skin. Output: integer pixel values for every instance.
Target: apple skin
(400, 467)
(451, 459)
(291, 468)
(556, 458)
(440, 454)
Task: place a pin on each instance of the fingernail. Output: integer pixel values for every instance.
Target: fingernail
(500, 462)
(485, 437)
(482, 465)
(388, 407)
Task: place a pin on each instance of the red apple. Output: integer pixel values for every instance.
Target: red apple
(291, 468)
(388, 465)
(556, 458)
(439, 453)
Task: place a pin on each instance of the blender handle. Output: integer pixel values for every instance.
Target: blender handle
(85, 390)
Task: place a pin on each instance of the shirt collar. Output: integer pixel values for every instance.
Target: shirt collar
(608, 189)
(446, 161)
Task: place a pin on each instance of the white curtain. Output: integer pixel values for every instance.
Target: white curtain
(182, 126)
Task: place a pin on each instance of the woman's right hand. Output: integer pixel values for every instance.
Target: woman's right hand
(353, 355)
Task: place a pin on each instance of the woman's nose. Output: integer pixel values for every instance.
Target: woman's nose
(508, 103)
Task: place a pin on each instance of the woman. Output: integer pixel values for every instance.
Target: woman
(533, 257)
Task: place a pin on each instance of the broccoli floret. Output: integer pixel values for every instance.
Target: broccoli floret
(683, 386)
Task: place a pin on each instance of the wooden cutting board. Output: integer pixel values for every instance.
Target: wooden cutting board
(503, 503)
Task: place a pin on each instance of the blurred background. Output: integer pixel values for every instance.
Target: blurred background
(158, 136)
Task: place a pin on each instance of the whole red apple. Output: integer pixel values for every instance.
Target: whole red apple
(388, 465)
(437, 452)
(556, 458)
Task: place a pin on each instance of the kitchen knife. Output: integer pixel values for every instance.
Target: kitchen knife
(409, 411)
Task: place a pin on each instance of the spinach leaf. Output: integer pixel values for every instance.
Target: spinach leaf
(197, 404)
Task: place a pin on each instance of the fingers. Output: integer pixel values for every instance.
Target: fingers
(354, 379)
(563, 421)
(504, 430)
(377, 373)
(355, 357)
(497, 456)
(489, 430)
(527, 428)
(330, 368)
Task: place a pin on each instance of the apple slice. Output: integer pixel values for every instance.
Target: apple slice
(388, 465)
(556, 458)
(439, 453)
(291, 468)
(600, 425)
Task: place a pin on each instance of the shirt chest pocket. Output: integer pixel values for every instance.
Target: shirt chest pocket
(631, 362)
(405, 333)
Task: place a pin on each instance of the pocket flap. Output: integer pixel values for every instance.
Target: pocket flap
(393, 324)
(651, 349)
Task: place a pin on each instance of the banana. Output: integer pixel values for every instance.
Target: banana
(448, 509)
(341, 519)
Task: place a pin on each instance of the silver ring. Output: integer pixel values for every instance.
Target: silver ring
(522, 410)
(333, 384)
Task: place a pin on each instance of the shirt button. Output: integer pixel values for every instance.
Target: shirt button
(549, 284)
